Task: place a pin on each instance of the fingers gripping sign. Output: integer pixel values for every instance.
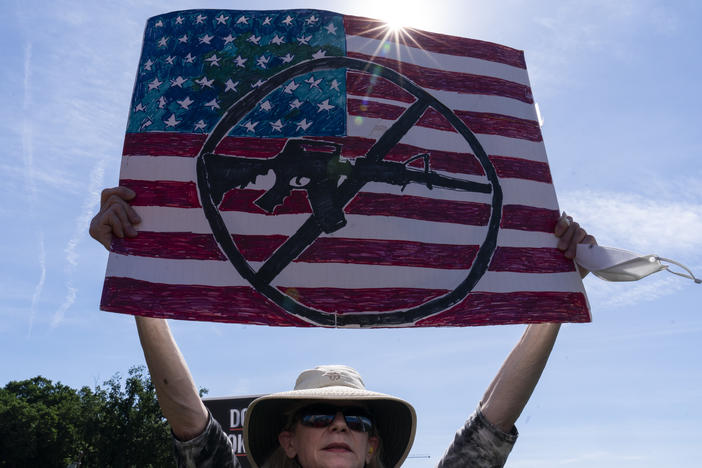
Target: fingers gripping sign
(116, 216)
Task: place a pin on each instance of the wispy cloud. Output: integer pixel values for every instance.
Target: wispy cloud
(668, 225)
(40, 285)
(81, 228)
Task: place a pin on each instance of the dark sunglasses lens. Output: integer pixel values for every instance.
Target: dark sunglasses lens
(323, 417)
(317, 420)
(358, 423)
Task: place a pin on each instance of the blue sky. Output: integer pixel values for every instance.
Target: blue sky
(617, 84)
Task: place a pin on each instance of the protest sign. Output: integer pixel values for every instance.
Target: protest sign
(306, 168)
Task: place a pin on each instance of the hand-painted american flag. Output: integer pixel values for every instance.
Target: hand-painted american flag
(405, 253)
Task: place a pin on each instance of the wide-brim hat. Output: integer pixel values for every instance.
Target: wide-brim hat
(266, 417)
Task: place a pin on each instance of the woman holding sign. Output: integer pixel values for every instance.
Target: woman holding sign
(330, 419)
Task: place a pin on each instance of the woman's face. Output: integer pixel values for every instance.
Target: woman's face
(333, 446)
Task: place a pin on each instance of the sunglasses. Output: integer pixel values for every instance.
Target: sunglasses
(320, 416)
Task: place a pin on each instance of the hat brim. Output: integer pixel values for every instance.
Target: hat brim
(395, 419)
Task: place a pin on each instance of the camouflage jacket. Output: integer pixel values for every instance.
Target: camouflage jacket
(477, 444)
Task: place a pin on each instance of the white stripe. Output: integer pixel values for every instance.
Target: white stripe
(436, 60)
(431, 138)
(472, 102)
(165, 219)
(307, 275)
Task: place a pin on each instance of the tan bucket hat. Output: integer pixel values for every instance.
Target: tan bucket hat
(266, 416)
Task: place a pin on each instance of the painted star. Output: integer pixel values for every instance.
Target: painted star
(312, 82)
(200, 19)
(254, 39)
(183, 39)
(148, 64)
(262, 61)
(214, 60)
(277, 126)
(266, 106)
(311, 20)
(179, 20)
(287, 58)
(178, 82)
(303, 124)
(171, 122)
(267, 21)
(240, 61)
(161, 102)
(319, 54)
(331, 29)
(200, 125)
(334, 85)
(292, 86)
(230, 85)
(288, 20)
(277, 40)
(204, 82)
(295, 104)
(170, 59)
(243, 20)
(206, 39)
(228, 39)
(213, 104)
(155, 84)
(189, 58)
(139, 108)
(257, 84)
(185, 103)
(221, 19)
(324, 106)
(145, 124)
(304, 40)
(159, 24)
(250, 126)
(163, 41)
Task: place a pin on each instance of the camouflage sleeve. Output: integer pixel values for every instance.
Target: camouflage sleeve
(479, 444)
(211, 449)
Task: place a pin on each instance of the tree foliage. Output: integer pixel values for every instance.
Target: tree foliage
(115, 425)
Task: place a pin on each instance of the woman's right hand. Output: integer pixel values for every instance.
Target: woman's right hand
(116, 216)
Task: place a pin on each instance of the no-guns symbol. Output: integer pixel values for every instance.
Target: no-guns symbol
(318, 164)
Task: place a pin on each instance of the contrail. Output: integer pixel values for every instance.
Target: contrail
(40, 285)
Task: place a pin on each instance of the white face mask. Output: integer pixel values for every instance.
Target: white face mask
(613, 264)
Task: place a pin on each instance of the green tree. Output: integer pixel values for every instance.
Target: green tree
(115, 425)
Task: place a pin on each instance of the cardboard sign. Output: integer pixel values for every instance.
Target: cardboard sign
(230, 414)
(305, 168)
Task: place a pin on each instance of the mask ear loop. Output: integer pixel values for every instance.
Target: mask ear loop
(690, 276)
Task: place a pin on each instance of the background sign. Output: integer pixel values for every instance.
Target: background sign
(230, 414)
(305, 168)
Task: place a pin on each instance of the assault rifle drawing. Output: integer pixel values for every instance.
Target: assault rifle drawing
(317, 167)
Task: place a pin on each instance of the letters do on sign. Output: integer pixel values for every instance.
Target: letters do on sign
(230, 414)
(306, 168)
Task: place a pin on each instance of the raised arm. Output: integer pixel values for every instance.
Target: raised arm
(175, 388)
(514, 383)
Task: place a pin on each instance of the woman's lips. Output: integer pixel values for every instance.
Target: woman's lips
(338, 447)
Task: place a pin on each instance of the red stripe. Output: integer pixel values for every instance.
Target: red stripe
(175, 245)
(433, 42)
(425, 209)
(477, 122)
(362, 300)
(516, 168)
(189, 302)
(390, 252)
(163, 193)
(454, 81)
(530, 260)
(482, 308)
(364, 84)
(243, 200)
(528, 218)
(258, 248)
(189, 145)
